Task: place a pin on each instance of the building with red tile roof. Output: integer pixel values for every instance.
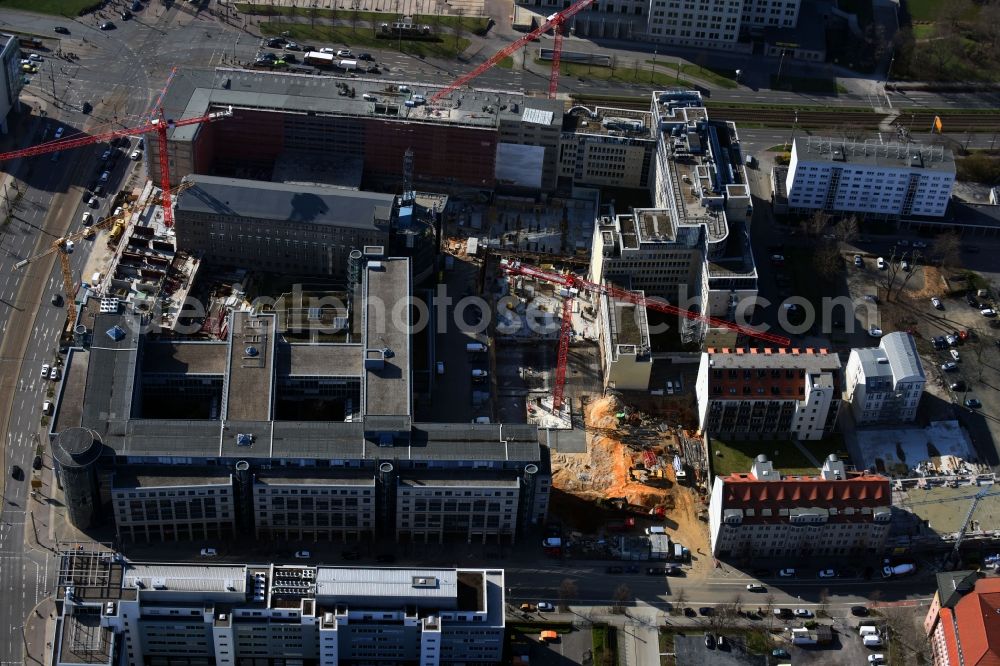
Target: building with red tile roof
(963, 622)
(769, 394)
(765, 514)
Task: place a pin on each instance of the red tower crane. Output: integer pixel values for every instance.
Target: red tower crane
(570, 281)
(157, 124)
(554, 22)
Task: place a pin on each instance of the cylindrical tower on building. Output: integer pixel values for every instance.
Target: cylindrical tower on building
(243, 494)
(526, 498)
(385, 508)
(76, 451)
(354, 262)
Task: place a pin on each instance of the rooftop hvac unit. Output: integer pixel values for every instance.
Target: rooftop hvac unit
(159, 583)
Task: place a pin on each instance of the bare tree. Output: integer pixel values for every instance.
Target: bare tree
(827, 260)
(847, 230)
(680, 599)
(769, 609)
(915, 264)
(823, 602)
(355, 15)
(948, 246)
(459, 25)
(623, 597)
(567, 592)
(816, 223)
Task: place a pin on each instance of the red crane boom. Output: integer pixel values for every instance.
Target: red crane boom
(158, 125)
(553, 22)
(570, 281)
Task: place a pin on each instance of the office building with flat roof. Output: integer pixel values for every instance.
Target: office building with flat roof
(113, 611)
(869, 178)
(267, 439)
(11, 78)
(289, 126)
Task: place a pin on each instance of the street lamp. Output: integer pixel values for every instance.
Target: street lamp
(781, 63)
(652, 72)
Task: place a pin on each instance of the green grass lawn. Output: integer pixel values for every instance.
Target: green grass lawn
(924, 10)
(923, 30)
(805, 84)
(506, 63)
(476, 24)
(724, 78)
(605, 643)
(739, 456)
(622, 74)
(448, 47)
(56, 7)
(832, 444)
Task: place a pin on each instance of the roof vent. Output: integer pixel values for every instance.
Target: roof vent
(425, 581)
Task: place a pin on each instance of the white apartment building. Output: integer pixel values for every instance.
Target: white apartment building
(763, 514)
(760, 394)
(115, 612)
(869, 178)
(884, 383)
(713, 24)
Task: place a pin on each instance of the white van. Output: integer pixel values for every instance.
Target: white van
(656, 529)
(868, 630)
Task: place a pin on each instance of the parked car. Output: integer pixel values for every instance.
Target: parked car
(973, 403)
(955, 355)
(859, 611)
(344, 53)
(135, 156)
(706, 611)
(958, 386)
(827, 573)
(545, 606)
(874, 331)
(657, 571)
(950, 366)
(54, 373)
(880, 262)
(787, 573)
(936, 302)
(107, 25)
(209, 552)
(951, 339)
(779, 653)
(802, 612)
(988, 312)
(858, 261)
(365, 56)
(45, 370)
(61, 30)
(302, 555)
(59, 132)
(939, 342)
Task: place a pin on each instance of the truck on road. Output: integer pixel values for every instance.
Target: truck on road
(898, 570)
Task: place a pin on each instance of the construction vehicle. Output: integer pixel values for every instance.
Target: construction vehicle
(158, 125)
(569, 282)
(554, 22)
(63, 244)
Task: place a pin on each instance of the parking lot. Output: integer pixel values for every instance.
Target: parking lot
(958, 343)
(573, 647)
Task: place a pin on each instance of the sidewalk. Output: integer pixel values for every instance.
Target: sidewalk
(39, 633)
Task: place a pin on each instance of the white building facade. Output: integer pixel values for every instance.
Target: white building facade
(884, 383)
(713, 24)
(869, 179)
